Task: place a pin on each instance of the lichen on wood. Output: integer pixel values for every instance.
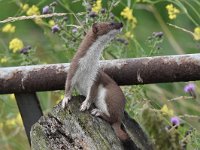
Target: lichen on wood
(71, 129)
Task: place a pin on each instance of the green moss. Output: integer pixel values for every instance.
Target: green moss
(38, 138)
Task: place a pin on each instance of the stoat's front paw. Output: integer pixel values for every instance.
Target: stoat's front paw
(65, 101)
(85, 105)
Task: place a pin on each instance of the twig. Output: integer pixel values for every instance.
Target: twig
(180, 28)
(172, 128)
(13, 19)
(189, 116)
(181, 98)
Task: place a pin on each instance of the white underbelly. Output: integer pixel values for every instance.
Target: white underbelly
(87, 69)
(100, 101)
(83, 84)
(84, 79)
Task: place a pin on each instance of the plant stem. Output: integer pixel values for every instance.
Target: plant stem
(168, 33)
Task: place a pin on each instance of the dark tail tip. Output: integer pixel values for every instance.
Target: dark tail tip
(129, 145)
(121, 24)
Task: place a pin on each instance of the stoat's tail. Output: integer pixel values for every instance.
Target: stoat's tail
(124, 137)
(121, 134)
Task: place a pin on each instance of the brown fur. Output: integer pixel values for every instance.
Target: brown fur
(89, 39)
(82, 50)
(114, 99)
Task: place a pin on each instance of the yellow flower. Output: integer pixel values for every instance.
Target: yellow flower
(97, 6)
(8, 28)
(1, 125)
(166, 110)
(15, 121)
(24, 7)
(4, 59)
(18, 120)
(33, 10)
(127, 13)
(197, 33)
(10, 122)
(172, 11)
(51, 23)
(16, 45)
(38, 21)
(129, 35)
(134, 22)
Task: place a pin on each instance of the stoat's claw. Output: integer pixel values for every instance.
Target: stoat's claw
(65, 101)
(85, 105)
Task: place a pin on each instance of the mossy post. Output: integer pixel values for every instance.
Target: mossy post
(73, 129)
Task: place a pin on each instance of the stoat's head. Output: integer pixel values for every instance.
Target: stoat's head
(106, 30)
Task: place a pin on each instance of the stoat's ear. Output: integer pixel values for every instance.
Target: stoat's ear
(95, 28)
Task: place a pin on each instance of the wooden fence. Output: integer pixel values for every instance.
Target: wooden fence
(25, 81)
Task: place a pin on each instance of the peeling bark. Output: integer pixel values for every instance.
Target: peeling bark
(124, 71)
(75, 130)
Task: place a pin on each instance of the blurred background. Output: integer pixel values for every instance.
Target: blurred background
(151, 28)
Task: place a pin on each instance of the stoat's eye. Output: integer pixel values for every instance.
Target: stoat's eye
(112, 24)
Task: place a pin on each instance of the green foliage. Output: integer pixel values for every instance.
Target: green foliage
(155, 124)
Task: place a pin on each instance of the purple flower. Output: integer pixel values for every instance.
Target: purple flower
(175, 121)
(158, 34)
(121, 40)
(45, 10)
(92, 14)
(112, 16)
(103, 11)
(189, 88)
(65, 18)
(25, 50)
(89, 9)
(55, 28)
(74, 30)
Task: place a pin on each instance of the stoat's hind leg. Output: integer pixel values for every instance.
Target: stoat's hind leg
(86, 104)
(98, 113)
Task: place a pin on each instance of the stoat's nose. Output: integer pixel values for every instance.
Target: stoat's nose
(118, 25)
(121, 24)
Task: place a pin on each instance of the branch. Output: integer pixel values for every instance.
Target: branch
(160, 69)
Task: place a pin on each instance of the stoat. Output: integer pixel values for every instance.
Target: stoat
(89, 80)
